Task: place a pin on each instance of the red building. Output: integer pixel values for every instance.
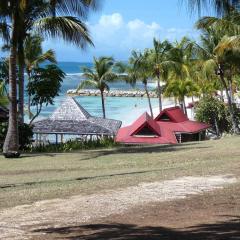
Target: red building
(171, 126)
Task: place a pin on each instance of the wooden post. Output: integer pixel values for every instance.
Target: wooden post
(56, 139)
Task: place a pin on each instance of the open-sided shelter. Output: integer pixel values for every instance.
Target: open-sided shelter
(72, 119)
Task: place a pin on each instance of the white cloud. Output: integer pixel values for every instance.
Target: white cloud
(115, 20)
(114, 36)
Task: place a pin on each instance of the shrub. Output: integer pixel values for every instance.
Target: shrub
(25, 135)
(73, 145)
(214, 112)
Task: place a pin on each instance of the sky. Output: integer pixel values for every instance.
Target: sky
(123, 25)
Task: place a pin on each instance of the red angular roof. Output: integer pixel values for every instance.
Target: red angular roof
(145, 121)
(165, 126)
(175, 114)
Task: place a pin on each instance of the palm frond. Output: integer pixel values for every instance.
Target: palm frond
(87, 83)
(47, 56)
(70, 29)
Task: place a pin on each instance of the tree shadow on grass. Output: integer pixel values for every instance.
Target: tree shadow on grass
(142, 149)
(25, 184)
(224, 230)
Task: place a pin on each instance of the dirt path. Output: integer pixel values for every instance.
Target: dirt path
(19, 222)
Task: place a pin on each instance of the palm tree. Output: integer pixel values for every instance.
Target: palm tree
(218, 59)
(46, 18)
(179, 89)
(180, 81)
(220, 6)
(33, 57)
(99, 77)
(161, 64)
(10, 147)
(140, 70)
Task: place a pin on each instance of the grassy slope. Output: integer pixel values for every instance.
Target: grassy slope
(44, 176)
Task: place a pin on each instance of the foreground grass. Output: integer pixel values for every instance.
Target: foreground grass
(44, 176)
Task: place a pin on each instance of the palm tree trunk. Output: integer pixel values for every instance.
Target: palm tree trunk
(21, 67)
(222, 97)
(230, 106)
(231, 88)
(159, 94)
(149, 100)
(29, 97)
(11, 143)
(103, 104)
(184, 106)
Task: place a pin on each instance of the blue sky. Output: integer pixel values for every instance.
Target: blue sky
(123, 25)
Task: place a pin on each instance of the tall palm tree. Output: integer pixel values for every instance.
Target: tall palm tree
(99, 77)
(52, 18)
(161, 64)
(34, 56)
(10, 147)
(180, 81)
(140, 70)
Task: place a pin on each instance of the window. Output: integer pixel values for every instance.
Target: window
(146, 132)
(164, 117)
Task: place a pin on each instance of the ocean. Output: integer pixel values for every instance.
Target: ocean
(125, 109)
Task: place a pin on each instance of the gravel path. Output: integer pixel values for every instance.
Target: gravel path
(19, 222)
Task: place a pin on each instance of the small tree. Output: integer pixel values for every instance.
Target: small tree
(34, 56)
(99, 78)
(44, 86)
(214, 112)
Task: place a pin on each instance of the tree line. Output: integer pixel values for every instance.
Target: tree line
(201, 68)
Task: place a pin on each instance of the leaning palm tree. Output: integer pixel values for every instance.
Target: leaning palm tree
(34, 56)
(99, 77)
(51, 18)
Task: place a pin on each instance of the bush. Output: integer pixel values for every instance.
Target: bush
(213, 111)
(73, 145)
(25, 135)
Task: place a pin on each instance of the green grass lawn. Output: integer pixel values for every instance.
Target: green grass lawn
(36, 177)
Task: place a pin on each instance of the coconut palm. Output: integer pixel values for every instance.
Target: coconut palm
(53, 18)
(179, 89)
(99, 77)
(140, 70)
(161, 64)
(34, 56)
(220, 60)
(220, 6)
(181, 78)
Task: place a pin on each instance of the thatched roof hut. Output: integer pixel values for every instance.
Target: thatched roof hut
(72, 119)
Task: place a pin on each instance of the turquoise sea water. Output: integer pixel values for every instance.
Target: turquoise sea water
(121, 108)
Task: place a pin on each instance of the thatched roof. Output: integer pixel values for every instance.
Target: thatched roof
(71, 118)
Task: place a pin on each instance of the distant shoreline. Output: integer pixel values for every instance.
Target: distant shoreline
(111, 93)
